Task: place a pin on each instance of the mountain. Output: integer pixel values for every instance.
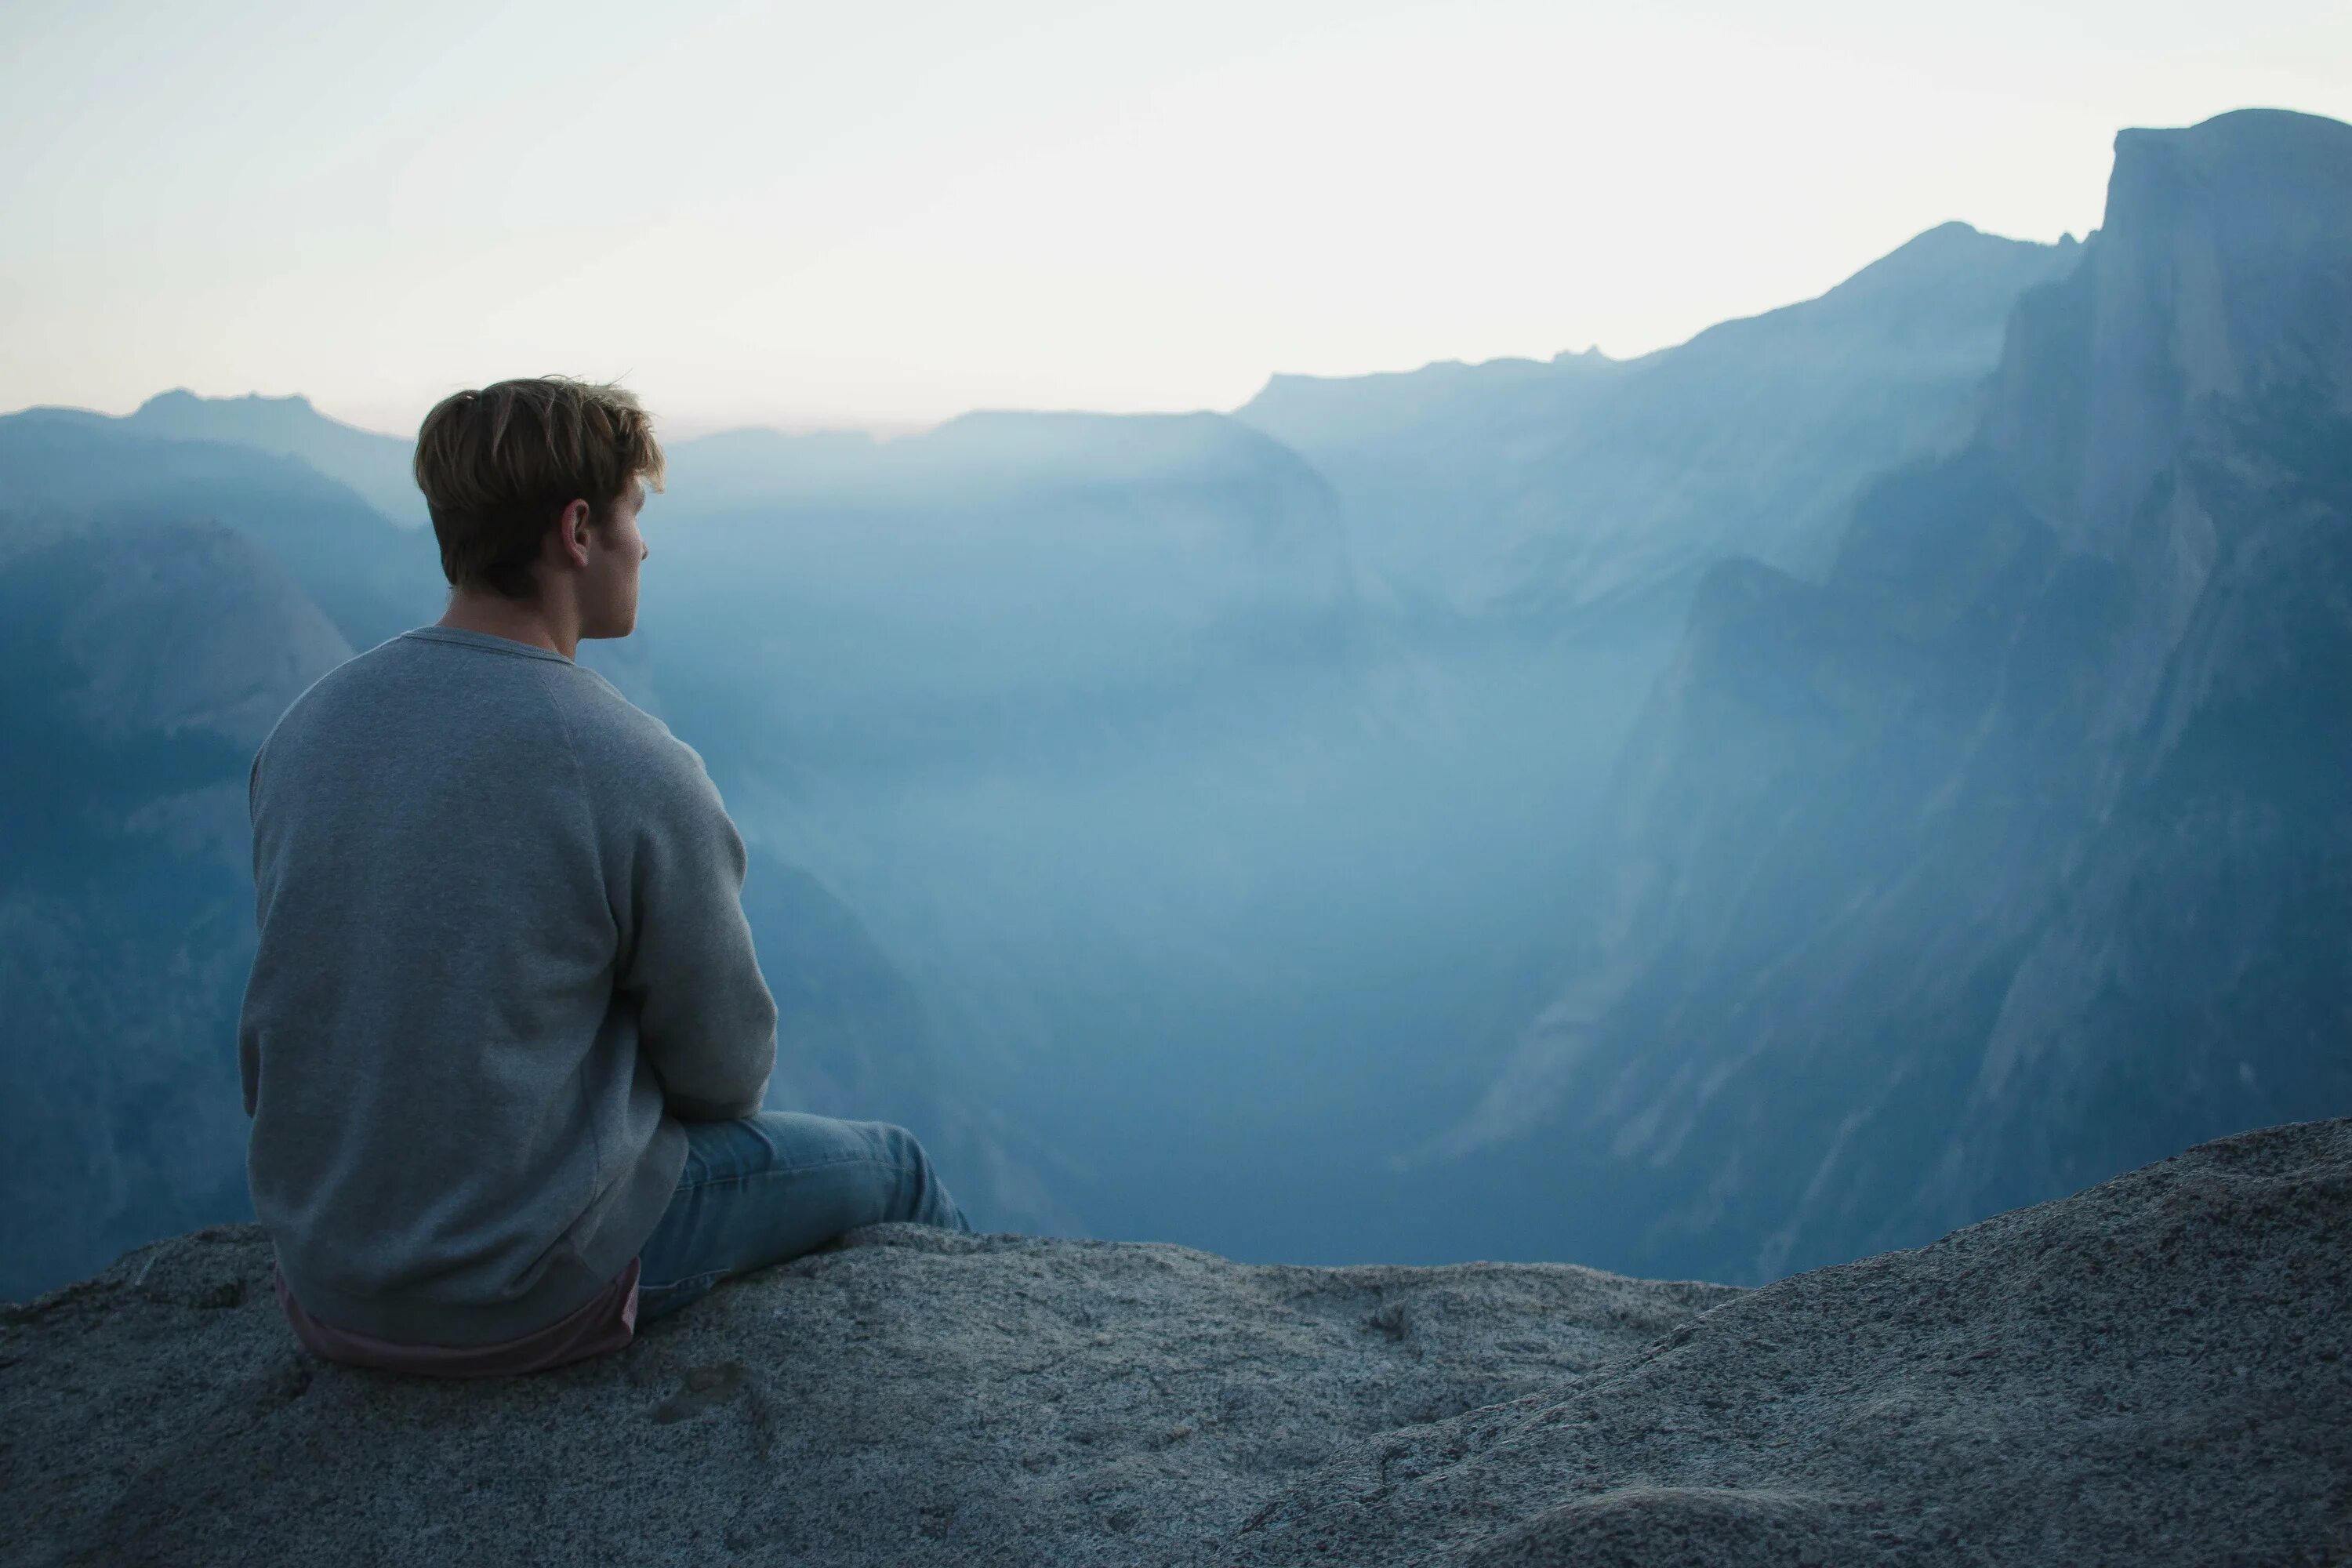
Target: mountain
(145, 663)
(372, 578)
(1707, 814)
(1518, 488)
(1003, 575)
(1059, 704)
(1051, 546)
(2015, 850)
(374, 467)
(1543, 527)
(162, 601)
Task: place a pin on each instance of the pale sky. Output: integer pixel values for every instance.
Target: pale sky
(881, 214)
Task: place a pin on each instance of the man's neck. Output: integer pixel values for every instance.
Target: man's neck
(519, 620)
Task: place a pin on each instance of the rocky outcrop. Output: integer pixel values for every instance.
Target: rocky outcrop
(2155, 1372)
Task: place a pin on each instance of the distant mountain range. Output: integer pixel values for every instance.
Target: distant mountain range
(372, 578)
(1004, 573)
(374, 467)
(1875, 763)
(2018, 849)
(162, 598)
(1520, 489)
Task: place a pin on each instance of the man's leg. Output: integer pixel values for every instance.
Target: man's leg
(773, 1186)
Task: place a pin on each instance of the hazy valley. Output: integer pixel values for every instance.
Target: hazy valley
(1876, 764)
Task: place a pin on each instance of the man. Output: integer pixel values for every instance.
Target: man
(505, 1043)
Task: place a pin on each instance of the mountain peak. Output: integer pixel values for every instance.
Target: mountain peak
(2217, 269)
(181, 400)
(2253, 180)
(1935, 259)
(2240, 134)
(376, 466)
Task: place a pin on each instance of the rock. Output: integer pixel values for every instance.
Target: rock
(2156, 1370)
(908, 1396)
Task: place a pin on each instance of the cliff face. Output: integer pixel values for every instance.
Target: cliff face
(2016, 851)
(2152, 1372)
(2206, 898)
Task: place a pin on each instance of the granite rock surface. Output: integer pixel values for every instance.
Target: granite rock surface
(2158, 1369)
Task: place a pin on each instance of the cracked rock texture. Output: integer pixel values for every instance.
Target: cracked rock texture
(2158, 1369)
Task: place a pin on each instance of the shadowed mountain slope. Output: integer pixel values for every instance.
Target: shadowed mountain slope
(2016, 851)
(375, 466)
(144, 664)
(63, 468)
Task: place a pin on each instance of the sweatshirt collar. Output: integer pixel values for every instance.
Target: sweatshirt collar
(484, 640)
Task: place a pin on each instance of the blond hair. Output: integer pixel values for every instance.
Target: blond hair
(498, 466)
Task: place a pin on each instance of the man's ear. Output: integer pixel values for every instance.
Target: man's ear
(574, 535)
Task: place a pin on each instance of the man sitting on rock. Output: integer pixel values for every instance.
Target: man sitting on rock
(505, 1042)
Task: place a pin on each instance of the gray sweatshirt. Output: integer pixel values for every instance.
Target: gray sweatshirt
(502, 955)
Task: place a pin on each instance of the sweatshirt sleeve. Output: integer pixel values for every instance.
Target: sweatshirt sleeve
(704, 1017)
(249, 1050)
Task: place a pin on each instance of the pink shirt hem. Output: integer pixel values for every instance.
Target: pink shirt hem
(607, 1321)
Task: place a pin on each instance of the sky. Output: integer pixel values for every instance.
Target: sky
(881, 214)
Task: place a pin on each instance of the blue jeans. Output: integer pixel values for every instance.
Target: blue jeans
(775, 1185)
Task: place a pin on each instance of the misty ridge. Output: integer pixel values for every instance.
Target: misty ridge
(1707, 816)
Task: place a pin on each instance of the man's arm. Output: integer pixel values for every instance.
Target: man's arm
(704, 1017)
(248, 1048)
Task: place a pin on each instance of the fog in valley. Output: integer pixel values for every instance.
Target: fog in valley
(1706, 815)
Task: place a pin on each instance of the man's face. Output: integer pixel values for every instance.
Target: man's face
(608, 589)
